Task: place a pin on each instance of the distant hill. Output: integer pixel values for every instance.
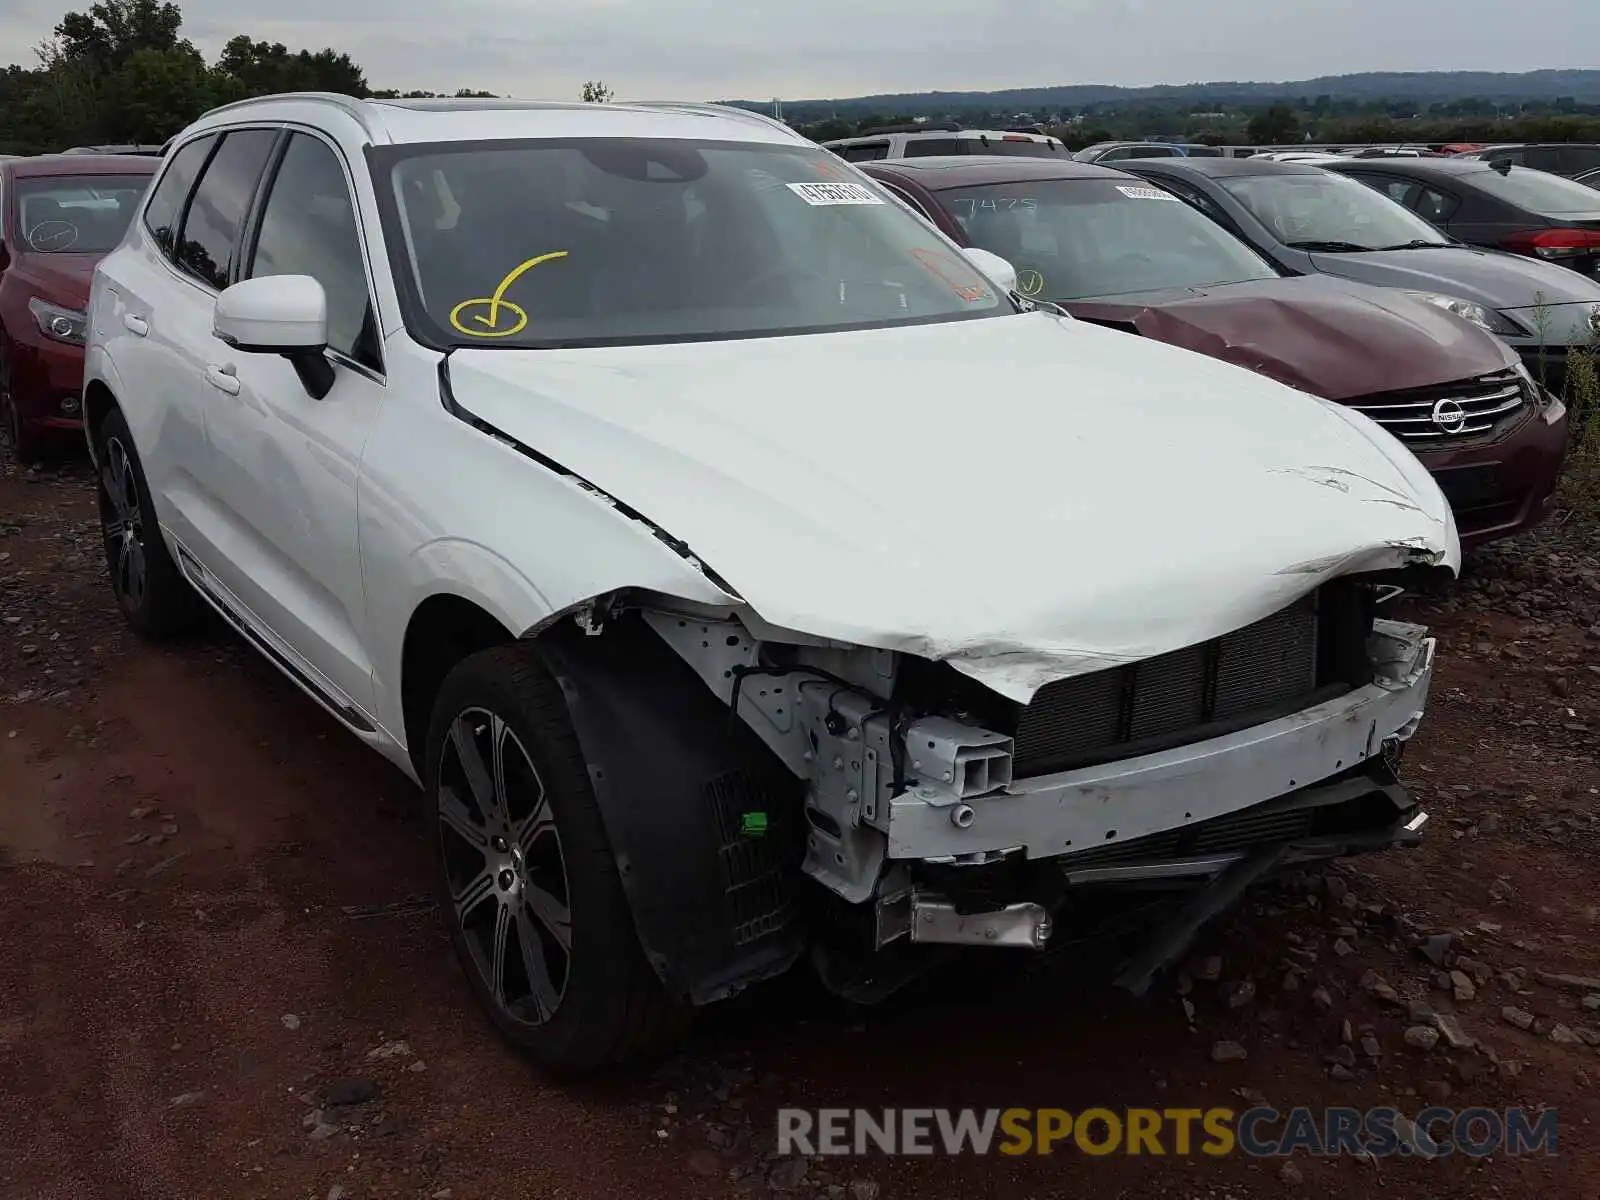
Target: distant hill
(1421, 87)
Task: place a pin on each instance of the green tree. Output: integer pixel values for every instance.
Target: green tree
(260, 68)
(155, 94)
(596, 92)
(1275, 126)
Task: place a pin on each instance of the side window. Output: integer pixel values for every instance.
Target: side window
(165, 209)
(1194, 197)
(1544, 158)
(924, 147)
(1117, 155)
(1575, 160)
(211, 226)
(308, 227)
(866, 151)
(1435, 206)
(1401, 191)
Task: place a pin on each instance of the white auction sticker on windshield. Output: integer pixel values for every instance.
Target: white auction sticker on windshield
(1145, 193)
(833, 193)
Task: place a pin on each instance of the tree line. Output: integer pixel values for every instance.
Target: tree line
(122, 73)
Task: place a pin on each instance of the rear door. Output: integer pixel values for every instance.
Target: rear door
(148, 316)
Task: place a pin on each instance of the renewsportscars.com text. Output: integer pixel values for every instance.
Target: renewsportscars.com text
(1215, 1132)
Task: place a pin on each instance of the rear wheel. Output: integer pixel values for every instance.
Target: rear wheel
(527, 880)
(152, 593)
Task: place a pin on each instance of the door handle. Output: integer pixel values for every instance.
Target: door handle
(136, 325)
(222, 378)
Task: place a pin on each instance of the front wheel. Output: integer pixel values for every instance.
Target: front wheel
(527, 880)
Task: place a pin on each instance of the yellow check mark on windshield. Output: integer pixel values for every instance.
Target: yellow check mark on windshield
(491, 321)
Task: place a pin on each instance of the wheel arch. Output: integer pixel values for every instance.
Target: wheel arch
(673, 777)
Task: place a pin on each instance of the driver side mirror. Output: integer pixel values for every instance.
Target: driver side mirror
(998, 270)
(279, 314)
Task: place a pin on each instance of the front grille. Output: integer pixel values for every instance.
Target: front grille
(1252, 674)
(1473, 408)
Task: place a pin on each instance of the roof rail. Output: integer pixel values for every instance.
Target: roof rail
(357, 108)
(711, 109)
(912, 127)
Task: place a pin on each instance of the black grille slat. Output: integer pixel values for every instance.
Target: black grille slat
(1489, 405)
(1176, 697)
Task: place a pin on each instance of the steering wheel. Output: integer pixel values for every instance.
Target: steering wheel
(48, 236)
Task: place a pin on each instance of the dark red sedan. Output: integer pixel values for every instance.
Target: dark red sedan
(59, 215)
(1112, 248)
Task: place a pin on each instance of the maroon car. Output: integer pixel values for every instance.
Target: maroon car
(59, 214)
(1112, 248)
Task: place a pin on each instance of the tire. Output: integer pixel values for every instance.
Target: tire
(150, 590)
(528, 857)
(24, 443)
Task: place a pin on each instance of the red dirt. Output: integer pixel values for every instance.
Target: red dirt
(143, 986)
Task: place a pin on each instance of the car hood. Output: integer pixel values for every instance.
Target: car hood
(1330, 337)
(1026, 497)
(61, 278)
(1489, 277)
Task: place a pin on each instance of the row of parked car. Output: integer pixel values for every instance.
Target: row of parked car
(760, 560)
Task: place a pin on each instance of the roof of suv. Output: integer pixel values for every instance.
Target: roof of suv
(1428, 166)
(473, 119)
(937, 172)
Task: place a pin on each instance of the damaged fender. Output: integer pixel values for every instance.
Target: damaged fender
(700, 816)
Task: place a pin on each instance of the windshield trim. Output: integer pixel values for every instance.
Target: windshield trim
(423, 329)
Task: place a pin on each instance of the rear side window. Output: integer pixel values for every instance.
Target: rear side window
(926, 147)
(864, 151)
(211, 226)
(1544, 158)
(1435, 206)
(1575, 160)
(165, 210)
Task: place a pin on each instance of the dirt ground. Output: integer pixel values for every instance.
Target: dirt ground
(212, 917)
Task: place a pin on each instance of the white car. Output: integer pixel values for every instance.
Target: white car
(742, 573)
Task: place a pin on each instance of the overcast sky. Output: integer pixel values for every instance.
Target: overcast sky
(800, 49)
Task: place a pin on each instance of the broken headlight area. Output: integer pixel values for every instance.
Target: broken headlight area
(936, 813)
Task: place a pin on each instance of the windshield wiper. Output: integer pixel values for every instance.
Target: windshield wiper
(1417, 245)
(1328, 247)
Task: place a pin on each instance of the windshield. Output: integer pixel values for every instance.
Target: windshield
(617, 241)
(76, 214)
(1074, 238)
(1537, 191)
(1330, 213)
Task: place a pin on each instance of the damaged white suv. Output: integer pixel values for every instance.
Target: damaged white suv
(744, 575)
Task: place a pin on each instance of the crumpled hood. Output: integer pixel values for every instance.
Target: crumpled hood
(1026, 497)
(1330, 337)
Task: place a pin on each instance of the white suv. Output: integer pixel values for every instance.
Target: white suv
(740, 571)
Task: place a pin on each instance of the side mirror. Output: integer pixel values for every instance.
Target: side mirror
(998, 270)
(279, 314)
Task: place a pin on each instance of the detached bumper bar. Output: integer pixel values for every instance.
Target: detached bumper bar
(1056, 816)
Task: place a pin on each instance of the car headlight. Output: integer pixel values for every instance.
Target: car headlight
(60, 324)
(1488, 318)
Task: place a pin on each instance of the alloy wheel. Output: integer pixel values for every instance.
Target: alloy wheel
(122, 519)
(505, 868)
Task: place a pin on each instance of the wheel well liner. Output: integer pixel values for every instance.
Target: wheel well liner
(703, 819)
(443, 630)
